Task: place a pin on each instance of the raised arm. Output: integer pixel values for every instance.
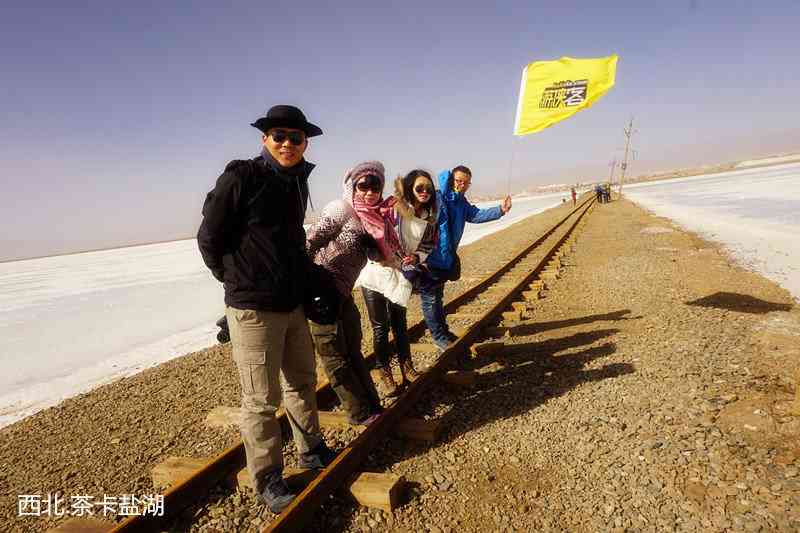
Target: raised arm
(476, 215)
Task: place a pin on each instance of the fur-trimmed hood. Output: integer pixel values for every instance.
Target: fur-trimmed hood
(405, 209)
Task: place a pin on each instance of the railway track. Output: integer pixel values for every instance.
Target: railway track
(501, 296)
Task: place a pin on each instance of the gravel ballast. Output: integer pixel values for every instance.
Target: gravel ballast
(650, 390)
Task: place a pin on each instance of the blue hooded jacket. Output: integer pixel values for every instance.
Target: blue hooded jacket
(454, 212)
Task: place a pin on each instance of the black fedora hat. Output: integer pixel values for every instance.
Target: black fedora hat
(286, 116)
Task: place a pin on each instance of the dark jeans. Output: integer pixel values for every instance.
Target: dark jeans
(339, 349)
(384, 314)
(431, 297)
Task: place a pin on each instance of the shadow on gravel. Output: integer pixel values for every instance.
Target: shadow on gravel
(743, 303)
(528, 379)
(542, 352)
(530, 375)
(538, 327)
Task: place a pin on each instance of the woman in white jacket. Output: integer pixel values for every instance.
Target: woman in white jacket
(387, 286)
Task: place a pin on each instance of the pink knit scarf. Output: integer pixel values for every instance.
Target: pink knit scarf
(378, 220)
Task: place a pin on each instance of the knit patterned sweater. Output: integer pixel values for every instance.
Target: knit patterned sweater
(339, 243)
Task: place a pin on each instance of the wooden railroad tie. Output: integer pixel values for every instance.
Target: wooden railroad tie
(419, 429)
(495, 292)
(532, 295)
(424, 347)
(519, 306)
(409, 428)
(484, 349)
(173, 470)
(549, 274)
(375, 490)
(461, 378)
(512, 316)
(370, 489)
(82, 525)
(496, 331)
(465, 315)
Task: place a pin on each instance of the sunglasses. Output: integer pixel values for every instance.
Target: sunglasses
(370, 183)
(295, 137)
(423, 188)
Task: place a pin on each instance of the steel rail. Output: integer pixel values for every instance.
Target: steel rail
(184, 494)
(301, 509)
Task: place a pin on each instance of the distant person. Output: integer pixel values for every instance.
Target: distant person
(606, 193)
(598, 191)
(340, 244)
(252, 240)
(443, 262)
(405, 225)
(574, 196)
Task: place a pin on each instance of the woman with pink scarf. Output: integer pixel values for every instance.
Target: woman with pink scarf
(386, 290)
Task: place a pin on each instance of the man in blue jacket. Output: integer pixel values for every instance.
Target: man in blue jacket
(454, 212)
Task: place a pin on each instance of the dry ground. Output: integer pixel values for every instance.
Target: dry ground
(649, 391)
(108, 440)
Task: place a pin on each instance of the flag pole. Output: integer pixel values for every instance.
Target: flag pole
(510, 166)
(518, 112)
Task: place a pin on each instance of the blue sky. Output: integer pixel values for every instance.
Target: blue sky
(118, 116)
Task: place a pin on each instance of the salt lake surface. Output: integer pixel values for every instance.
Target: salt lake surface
(754, 212)
(71, 323)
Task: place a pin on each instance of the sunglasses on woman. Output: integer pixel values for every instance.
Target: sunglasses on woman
(419, 189)
(295, 137)
(370, 183)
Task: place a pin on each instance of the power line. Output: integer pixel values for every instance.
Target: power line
(629, 131)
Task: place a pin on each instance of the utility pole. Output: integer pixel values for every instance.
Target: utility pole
(628, 132)
(613, 164)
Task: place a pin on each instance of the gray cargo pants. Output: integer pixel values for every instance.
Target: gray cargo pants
(339, 348)
(273, 351)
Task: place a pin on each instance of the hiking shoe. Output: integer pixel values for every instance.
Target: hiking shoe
(452, 337)
(276, 494)
(441, 344)
(385, 380)
(408, 372)
(318, 458)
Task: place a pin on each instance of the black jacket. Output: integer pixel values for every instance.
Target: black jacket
(252, 235)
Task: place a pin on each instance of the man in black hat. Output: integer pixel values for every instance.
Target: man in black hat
(252, 239)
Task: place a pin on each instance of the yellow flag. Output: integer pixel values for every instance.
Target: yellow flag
(554, 90)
